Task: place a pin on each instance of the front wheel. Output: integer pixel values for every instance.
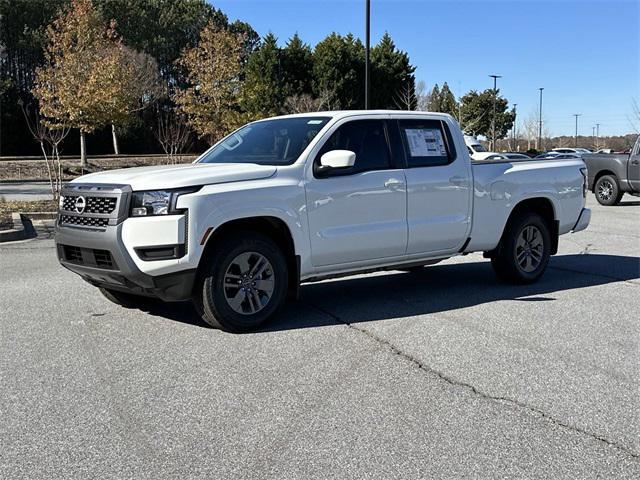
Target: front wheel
(607, 191)
(243, 283)
(524, 251)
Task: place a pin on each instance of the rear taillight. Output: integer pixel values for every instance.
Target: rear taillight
(585, 183)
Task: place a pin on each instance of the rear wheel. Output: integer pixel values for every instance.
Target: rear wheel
(607, 191)
(524, 250)
(243, 284)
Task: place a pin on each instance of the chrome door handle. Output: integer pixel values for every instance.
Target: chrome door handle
(393, 183)
(457, 180)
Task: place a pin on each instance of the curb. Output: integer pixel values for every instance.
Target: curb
(40, 181)
(22, 226)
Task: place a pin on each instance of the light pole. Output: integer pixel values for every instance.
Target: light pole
(576, 115)
(597, 136)
(367, 42)
(593, 137)
(514, 132)
(493, 123)
(540, 122)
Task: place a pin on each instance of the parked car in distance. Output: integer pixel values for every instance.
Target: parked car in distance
(516, 156)
(572, 151)
(306, 197)
(555, 155)
(605, 150)
(613, 175)
(506, 156)
(476, 150)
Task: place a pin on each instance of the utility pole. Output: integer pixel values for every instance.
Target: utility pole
(576, 115)
(366, 52)
(540, 123)
(597, 136)
(493, 122)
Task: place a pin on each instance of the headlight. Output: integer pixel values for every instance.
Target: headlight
(157, 202)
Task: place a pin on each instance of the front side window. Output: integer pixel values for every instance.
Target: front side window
(426, 143)
(270, 142)
(366, 138)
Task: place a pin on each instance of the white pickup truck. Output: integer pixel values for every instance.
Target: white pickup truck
(307, 197)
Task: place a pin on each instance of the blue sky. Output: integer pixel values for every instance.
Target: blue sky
(585, 54)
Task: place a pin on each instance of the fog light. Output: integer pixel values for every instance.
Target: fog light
(139, 211)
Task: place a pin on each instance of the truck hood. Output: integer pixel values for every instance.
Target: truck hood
(177, 176)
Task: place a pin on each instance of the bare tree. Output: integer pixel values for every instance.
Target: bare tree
(531, 128)
(422, 96)
(306, 103)
(406, 98)
(173, 134)
(49, 140)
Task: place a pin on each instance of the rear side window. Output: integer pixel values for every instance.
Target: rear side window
(366, 138)
(426, 143)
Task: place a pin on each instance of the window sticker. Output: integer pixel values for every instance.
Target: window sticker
(425, 142)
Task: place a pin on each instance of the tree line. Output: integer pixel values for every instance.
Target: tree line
(177, 74)
(113, 68)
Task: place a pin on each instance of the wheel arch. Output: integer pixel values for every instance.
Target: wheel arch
(270, 226)
(601, 174)
(543, 206)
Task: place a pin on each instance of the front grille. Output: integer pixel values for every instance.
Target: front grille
(84, 221)
(90, 257)
(103, 205)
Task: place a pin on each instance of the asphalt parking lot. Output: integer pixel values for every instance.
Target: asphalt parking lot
(440, 374)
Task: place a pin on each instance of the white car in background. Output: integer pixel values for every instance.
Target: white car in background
(571, 151)
(477, 151)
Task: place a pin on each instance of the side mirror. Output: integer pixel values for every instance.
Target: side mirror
(338, 159)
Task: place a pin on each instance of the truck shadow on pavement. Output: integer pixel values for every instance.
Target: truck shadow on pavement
(435, 289)
(441, 288)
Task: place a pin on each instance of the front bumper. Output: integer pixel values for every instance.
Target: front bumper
(583, 220)
(101, 259)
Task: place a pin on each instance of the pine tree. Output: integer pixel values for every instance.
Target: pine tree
(263, 92)
(447, 102)
(391, 74)
(338, 71)
(297, 63)
(434, 102)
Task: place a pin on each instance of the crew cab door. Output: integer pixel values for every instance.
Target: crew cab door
(634, 167)
(439, 186)
(357, 213)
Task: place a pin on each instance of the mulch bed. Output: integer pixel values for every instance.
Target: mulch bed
(37, 169)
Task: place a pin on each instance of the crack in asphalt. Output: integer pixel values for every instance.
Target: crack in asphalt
(457, 383)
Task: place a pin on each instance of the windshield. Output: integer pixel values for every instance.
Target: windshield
(478, 148)
(270, 142)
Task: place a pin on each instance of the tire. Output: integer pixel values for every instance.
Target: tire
(607, 191)
(523, 254)
(237, 291)
(124, 299)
